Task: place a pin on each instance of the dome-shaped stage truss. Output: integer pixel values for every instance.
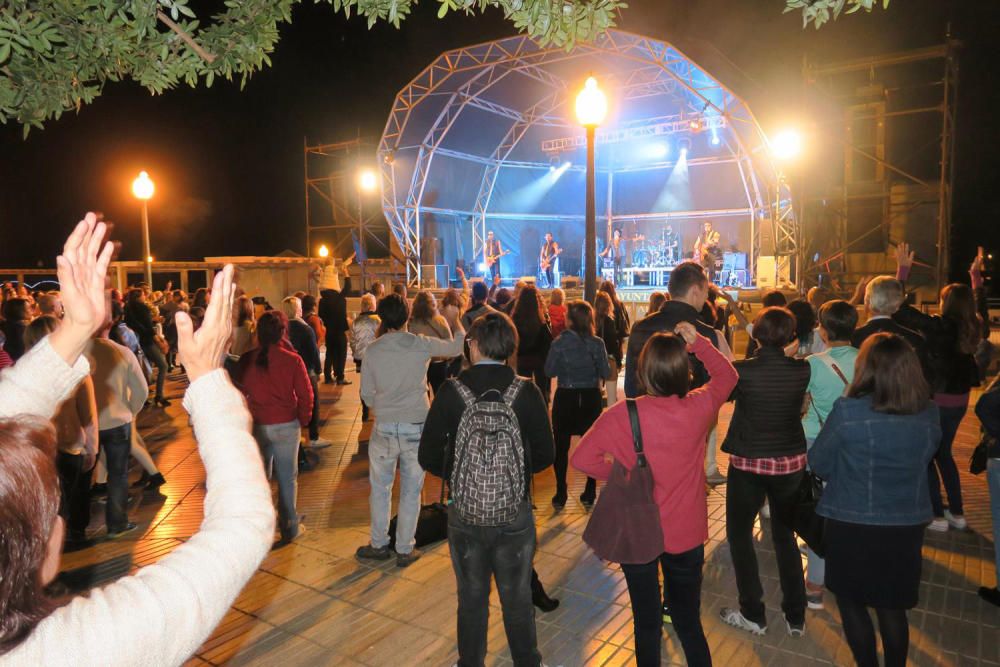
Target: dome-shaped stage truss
(485, 138)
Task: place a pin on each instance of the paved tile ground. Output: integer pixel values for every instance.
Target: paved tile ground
(312, 603)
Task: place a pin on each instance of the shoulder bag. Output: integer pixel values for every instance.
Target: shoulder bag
(625, 524)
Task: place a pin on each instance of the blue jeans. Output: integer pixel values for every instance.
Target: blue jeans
(279, 445)
(951, 419)
(391, 442)
(116, 443)
(505, 553)
(993, 479)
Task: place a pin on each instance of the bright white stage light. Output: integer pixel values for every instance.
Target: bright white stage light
(715, 139)
(786, 144)
(658, 151)
(483, 267)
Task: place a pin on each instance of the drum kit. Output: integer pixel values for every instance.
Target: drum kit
(654, 254)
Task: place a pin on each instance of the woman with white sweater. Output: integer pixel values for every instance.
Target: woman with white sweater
(165, 610)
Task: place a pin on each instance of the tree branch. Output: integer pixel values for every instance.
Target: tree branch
(195, 46)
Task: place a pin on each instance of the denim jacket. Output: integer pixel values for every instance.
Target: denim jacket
(578, 362)
(875, 464)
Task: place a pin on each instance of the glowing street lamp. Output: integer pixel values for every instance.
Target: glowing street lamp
(786, 145)
(324, 252)
(368, 180)
(143, 188)
(591, 108)
(367, 185)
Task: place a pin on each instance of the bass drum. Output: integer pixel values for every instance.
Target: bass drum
(641, 258)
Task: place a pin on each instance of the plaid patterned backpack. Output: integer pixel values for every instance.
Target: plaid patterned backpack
(488, 473)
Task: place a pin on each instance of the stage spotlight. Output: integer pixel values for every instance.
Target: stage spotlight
(786, 145)
(695, 124)
(684, 146)
(657, 151)
(483, 267)
(715, 139)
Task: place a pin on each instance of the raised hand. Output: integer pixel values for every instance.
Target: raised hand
(686, 331)
(82, 269)
(202, 351)
(904, 256)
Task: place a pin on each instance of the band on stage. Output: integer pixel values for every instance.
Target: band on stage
(659, 252)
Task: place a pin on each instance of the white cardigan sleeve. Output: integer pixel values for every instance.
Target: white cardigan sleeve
(163, 613)
(39, 382)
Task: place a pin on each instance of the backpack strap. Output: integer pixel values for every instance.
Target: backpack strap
(467, 396)
(633, 417)
(512, 390)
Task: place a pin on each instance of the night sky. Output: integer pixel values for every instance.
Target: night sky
(228, 163)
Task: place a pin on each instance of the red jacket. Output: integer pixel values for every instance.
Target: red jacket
(280, 393)
(673, 435)
(557, 318)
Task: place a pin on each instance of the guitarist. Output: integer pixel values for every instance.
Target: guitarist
(707, 251)
(493, 251)
(547, 259)
(615, 250)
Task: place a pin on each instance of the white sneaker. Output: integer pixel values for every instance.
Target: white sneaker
(939, 525)
(795, 630)
(765, 510)
(956, 522)
(319, 443)
(735, 618)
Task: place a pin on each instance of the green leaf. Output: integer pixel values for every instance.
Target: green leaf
(443, 9)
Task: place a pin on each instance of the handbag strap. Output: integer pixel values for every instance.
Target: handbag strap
(633, 417)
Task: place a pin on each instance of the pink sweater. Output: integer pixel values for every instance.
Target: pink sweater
(673, 434)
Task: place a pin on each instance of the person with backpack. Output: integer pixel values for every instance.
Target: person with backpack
(673, 418)
(487, 432)
(394, 385)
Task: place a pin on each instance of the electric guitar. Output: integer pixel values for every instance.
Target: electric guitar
(492, 259)
(546, 262)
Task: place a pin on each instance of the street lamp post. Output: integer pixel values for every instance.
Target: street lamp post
(367, 184)
(591, 108)
(142, 188)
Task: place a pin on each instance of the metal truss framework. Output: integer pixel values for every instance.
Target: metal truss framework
(336, 212)
(643, 67)
(881, 99)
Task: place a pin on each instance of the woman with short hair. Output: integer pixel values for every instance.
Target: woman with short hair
(873, 452)
(673, 420)
(579, 360)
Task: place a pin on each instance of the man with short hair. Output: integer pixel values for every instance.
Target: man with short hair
(479, 306)
(50, 304)
(303, 339)
(883, 297)
(394, 385)
(482, 552)
(332, 310)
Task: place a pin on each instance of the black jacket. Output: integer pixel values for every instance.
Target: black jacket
(767, 420)
(303, 339)
(140, 320)
(890, 325)
(669, 316)
(332, 309)
(951, 370)
(988, 411)
(437, 442)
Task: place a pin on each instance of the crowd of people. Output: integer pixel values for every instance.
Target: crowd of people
(462, 388)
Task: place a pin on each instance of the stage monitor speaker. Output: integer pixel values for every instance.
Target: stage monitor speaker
(767, 271)
(570, 282)
(529, 280)
(766, 237)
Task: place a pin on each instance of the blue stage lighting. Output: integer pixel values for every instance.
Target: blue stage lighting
(658, 150)
(715, 139)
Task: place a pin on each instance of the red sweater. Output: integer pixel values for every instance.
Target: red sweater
(280, 393)
(673, 435)
(557, 318)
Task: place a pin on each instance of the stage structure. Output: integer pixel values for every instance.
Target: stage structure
(883, 146)
(485, 139)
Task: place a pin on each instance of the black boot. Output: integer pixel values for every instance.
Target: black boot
(538, 596)
(589, 493)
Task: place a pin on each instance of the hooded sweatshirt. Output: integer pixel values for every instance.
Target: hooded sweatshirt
(394, 374)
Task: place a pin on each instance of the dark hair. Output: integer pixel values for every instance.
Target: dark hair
(308, 304)
(608, 288)
(134, 296)
(664, 369)
(244, 310)
(685, 276)
(580, 316)
(29, 496)
(495, 336)
(774, 327)
(424, 307)
(502, 296)
(39, 328)
(480, 292)
(16, 310)
(271, 329)
(399, 289)
(958, 305)
(393, 311)
(839, 319)
(773, 298)
(117, 311)
(527, 313)
(200, 298)
(604, 309)
(888, 370)
(805, 319)
(656, 301)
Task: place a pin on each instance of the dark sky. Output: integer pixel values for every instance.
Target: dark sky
(228, 163)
